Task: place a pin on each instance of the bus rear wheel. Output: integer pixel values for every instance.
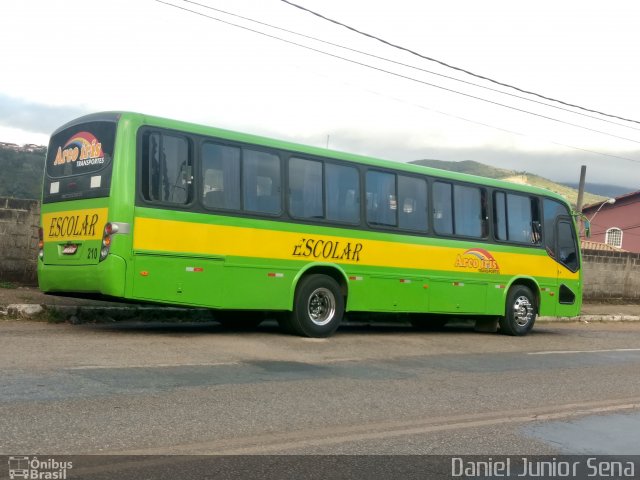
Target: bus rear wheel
(520, 313)
(318, 307)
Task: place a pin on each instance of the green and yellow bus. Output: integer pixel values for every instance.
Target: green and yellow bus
(149, 209)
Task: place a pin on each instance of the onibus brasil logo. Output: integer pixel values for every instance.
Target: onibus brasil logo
(32, 468)
(477, 259)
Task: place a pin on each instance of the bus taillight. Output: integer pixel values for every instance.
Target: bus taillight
(109, 229)
(40, 243)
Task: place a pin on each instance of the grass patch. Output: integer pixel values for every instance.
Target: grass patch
(8, 285)
(54, 316)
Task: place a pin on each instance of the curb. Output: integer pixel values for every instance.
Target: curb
(590, 319)
(82, 314)
(88, 313)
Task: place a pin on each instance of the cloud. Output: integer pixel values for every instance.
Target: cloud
(554, 165)
(36, 117)
(400, 144)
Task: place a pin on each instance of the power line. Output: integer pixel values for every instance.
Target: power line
(413, 52)
(506, 130)
(625, 230)
(407, 65)
(408, 78)
(628, 227)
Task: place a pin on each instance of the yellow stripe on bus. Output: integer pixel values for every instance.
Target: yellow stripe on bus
(198, 238)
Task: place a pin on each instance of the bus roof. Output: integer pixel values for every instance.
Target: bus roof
(143, 119)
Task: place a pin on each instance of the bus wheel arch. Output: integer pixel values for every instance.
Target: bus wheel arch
(522, 303)
(318, 302)
(321, 269)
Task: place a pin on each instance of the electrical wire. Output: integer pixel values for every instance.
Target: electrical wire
(408, 78)
(624, 229)
(371, 55)
(413, 52)
(506, 130)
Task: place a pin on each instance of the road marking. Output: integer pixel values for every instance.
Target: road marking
(289, 442)
(155, 365)
(564, 352)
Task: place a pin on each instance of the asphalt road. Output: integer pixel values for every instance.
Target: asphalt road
(157, 388)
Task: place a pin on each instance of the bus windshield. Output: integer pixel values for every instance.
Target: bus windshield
(79, 162)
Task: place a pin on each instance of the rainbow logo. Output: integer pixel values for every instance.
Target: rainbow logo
(477, 259)
(480, 253)
(84, 140)
(83, 148)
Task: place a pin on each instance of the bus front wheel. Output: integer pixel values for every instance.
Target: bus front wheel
(520, 313)
(318, 307)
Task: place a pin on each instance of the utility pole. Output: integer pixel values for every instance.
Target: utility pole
(583, 175)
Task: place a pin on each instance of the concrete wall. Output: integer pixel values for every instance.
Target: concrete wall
(19, 221)
(611, 276)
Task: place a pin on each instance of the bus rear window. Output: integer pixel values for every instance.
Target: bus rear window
(79, 162)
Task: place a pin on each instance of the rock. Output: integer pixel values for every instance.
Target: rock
(24, 310)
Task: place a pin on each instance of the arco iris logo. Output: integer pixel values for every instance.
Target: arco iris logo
(82, 150)
(477, 259)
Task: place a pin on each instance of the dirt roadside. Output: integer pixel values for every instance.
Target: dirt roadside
(33, 296)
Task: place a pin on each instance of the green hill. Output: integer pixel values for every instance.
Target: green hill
(523, 178)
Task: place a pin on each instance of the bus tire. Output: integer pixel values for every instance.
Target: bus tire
(318, 307)
(520, 312)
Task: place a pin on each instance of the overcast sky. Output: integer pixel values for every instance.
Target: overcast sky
(61, 59)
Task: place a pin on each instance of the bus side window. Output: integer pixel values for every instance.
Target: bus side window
(469, 212)
(442, 208)
(261, 182)
(342, 187)
(567, 247)
(458, 210)
(306, 188)
(221, 176)
(168, 169)
(382, 204)
(517, 218)
(536, 219)
(552, 210)
(412, 203)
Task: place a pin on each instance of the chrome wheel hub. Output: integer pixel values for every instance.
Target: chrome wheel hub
(522, 311)
(321, 306)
